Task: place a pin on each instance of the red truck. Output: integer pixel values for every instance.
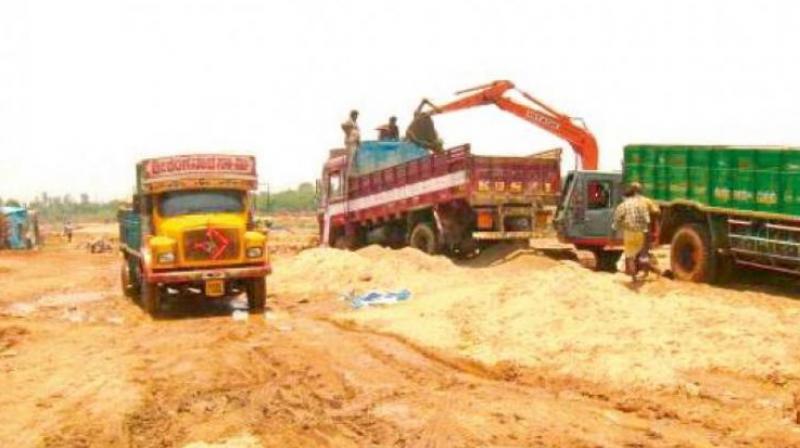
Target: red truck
(398, 193)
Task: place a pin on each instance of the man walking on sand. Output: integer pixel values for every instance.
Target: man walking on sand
(633, 217)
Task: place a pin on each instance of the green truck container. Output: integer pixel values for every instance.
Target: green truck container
(720, 206)
(746, 179)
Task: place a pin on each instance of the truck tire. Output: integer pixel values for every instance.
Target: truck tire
(606, 260)
(344, 242)
(125, 279)
(424, 238)
(691, 254)
(151, 298)
(350, 242)
(257, 294)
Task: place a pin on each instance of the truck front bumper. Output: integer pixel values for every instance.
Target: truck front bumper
(196, 275)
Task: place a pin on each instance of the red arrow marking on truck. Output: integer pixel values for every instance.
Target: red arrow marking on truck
(215, 245)
(219, 238)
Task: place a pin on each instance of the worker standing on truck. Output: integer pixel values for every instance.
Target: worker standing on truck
(352, 135)
(389, 131)
(633, 217)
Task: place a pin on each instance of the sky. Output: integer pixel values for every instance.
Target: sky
(88, 87)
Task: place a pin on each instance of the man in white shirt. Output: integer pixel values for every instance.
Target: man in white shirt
(352, 135)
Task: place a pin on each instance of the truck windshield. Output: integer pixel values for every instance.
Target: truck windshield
(200, 201)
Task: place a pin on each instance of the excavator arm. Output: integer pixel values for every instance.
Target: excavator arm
(542, 115)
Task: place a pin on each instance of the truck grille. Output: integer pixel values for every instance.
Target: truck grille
(211, 244)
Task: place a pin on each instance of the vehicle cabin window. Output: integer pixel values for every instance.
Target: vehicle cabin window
(335, 184)
(176, 203)
(598, 194)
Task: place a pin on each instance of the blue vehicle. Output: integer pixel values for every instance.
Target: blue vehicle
(21, 228)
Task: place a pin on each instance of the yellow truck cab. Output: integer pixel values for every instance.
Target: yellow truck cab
(191, 231)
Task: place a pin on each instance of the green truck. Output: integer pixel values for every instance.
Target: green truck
(721, 205)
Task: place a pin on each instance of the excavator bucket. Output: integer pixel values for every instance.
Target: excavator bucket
(423, 132)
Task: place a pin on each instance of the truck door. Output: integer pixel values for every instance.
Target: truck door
(332, 192)
(588, 204)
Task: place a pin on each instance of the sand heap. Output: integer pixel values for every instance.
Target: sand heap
(566, 319)
(323, 273)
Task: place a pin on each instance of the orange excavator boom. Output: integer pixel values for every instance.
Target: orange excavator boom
(579, 137)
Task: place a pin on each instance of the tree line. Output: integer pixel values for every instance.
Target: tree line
(56, 208)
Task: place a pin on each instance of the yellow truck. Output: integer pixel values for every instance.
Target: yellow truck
(190, 231)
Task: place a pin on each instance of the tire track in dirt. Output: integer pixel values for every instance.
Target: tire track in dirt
(304, 379)
(251, 382)
(713, 413)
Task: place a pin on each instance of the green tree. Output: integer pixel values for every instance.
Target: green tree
(302, 199)
(13, 203)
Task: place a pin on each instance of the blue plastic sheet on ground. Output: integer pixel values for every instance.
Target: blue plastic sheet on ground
(380, 298)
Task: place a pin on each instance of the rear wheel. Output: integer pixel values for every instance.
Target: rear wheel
(691, 254)
(257, 294)
(342, 243)
(349, 242)
(151, 298)
(125, 279)
(424, 238)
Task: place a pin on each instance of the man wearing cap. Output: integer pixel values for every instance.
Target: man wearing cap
(352, 135)
(633, 217)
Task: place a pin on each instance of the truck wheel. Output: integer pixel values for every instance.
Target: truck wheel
(125, 279)
(606, 260)
(351, 242)
(151, 298)
(344, 243)
(424, 238)
(257, 294)
(691, 255)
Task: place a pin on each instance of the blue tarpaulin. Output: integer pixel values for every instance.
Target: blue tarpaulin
(17, 218)
(376, 155)
(380, 298)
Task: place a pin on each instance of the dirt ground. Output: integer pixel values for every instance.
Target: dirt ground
(510, 349)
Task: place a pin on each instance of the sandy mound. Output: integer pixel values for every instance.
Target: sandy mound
(405, 259)
(322, 272)
(564, 318)
(245, 441)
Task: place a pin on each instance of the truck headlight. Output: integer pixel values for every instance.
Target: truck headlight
(255, 252)
(166, 258)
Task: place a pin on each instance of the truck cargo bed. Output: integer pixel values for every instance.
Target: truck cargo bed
(479, 179)
(130, 229)
(733, 179)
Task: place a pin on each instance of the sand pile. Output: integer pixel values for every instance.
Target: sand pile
(578, 323)
(324, 272)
